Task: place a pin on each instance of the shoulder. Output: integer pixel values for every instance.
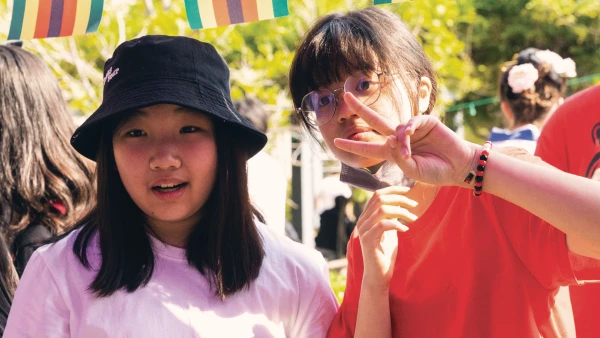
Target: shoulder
(32, 234)
(579, 104)
(282, 253)
(59, 255)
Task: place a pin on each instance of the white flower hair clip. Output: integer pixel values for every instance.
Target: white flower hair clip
(564, 67)
(522, 77)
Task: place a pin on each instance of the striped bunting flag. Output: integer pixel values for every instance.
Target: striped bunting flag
(382, 2)
(214, 13)
(36, 19)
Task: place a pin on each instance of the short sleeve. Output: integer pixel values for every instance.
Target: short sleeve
(344, 323)
(38, 309)
(541, 247)
(552, 145)
(317, 303)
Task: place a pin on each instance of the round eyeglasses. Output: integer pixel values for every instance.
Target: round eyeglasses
(319, 106)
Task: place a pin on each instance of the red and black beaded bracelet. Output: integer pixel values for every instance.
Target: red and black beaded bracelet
(478, 174)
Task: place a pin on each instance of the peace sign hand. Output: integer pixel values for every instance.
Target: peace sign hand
(424, 148)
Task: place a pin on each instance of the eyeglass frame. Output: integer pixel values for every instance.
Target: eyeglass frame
(299, 110)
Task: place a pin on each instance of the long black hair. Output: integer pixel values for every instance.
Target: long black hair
(225, 246)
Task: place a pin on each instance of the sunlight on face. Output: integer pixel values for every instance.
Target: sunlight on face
(393, 103)
(166, 156)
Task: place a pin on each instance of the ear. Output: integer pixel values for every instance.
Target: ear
(508, 114)
(424, 94)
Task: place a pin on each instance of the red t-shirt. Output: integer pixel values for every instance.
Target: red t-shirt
(570, 141)
(468, 267)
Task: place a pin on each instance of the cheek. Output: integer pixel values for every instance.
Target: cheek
(204, 157)
(128, 160)
(328, 131)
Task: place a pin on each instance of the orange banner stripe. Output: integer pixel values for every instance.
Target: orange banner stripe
(43, 19)
(250, 10)
(68, 18)
(221, 12)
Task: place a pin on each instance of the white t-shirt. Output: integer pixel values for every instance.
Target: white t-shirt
(290, 298)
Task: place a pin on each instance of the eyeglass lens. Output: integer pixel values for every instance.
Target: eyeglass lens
(320, 105)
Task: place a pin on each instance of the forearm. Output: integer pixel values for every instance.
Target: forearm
(373, 319)
(568, 202)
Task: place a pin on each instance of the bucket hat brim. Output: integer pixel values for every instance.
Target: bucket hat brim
(185, 93)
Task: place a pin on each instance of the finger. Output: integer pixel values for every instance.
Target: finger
(392, 195)
(398, 200)
(376, 232)
(373, 119)
(384, 212)
(405, 131)
(364, 149)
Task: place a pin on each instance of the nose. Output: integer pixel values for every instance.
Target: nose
(343, 111)
(165, 156)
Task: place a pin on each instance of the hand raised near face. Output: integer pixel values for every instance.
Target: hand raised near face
(382, 217)
(423, 147)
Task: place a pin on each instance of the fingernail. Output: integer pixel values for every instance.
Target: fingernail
(404, 227)
(405, 153)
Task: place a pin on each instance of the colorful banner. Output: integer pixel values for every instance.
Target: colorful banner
(36, 19)
(214, 13)
(382, 2)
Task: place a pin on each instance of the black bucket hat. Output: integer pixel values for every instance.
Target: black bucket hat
(159, 69)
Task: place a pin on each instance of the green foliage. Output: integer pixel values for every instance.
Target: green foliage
(467, 41)
(504, 27)
(259, 53)
(338, 284)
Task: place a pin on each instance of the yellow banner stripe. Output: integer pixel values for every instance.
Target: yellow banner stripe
(265, 9)
(30, 19)
(82, 16)
(207, 13)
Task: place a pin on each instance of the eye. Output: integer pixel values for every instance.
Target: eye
(135, 133)
(363, 85)
(324, 101)
(188, 129)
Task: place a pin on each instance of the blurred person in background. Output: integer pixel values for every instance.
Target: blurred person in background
(46, 185)
(266, 178)
(531, 87)
(335, 226)
(570, 141)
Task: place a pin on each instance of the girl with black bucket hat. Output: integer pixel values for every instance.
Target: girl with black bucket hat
(173, 247)
(458, 240)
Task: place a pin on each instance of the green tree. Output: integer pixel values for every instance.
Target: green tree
(504, 27)
(259, 54)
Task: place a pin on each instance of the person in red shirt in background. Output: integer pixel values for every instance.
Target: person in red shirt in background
(570, 141)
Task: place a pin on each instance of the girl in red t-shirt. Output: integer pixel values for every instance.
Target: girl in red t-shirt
(427, 258)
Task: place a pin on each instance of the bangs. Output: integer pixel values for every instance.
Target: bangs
(347, 44)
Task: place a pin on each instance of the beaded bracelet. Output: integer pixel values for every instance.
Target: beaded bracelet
(478, 175)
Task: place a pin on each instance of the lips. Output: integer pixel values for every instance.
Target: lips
(168, 187)
(169, 190)
(355, 132)
(168, 184)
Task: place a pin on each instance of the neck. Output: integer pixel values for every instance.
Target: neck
(169, 233)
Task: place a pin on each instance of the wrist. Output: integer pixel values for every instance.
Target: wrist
(375, 285)
(474, 178)
(467, 176)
